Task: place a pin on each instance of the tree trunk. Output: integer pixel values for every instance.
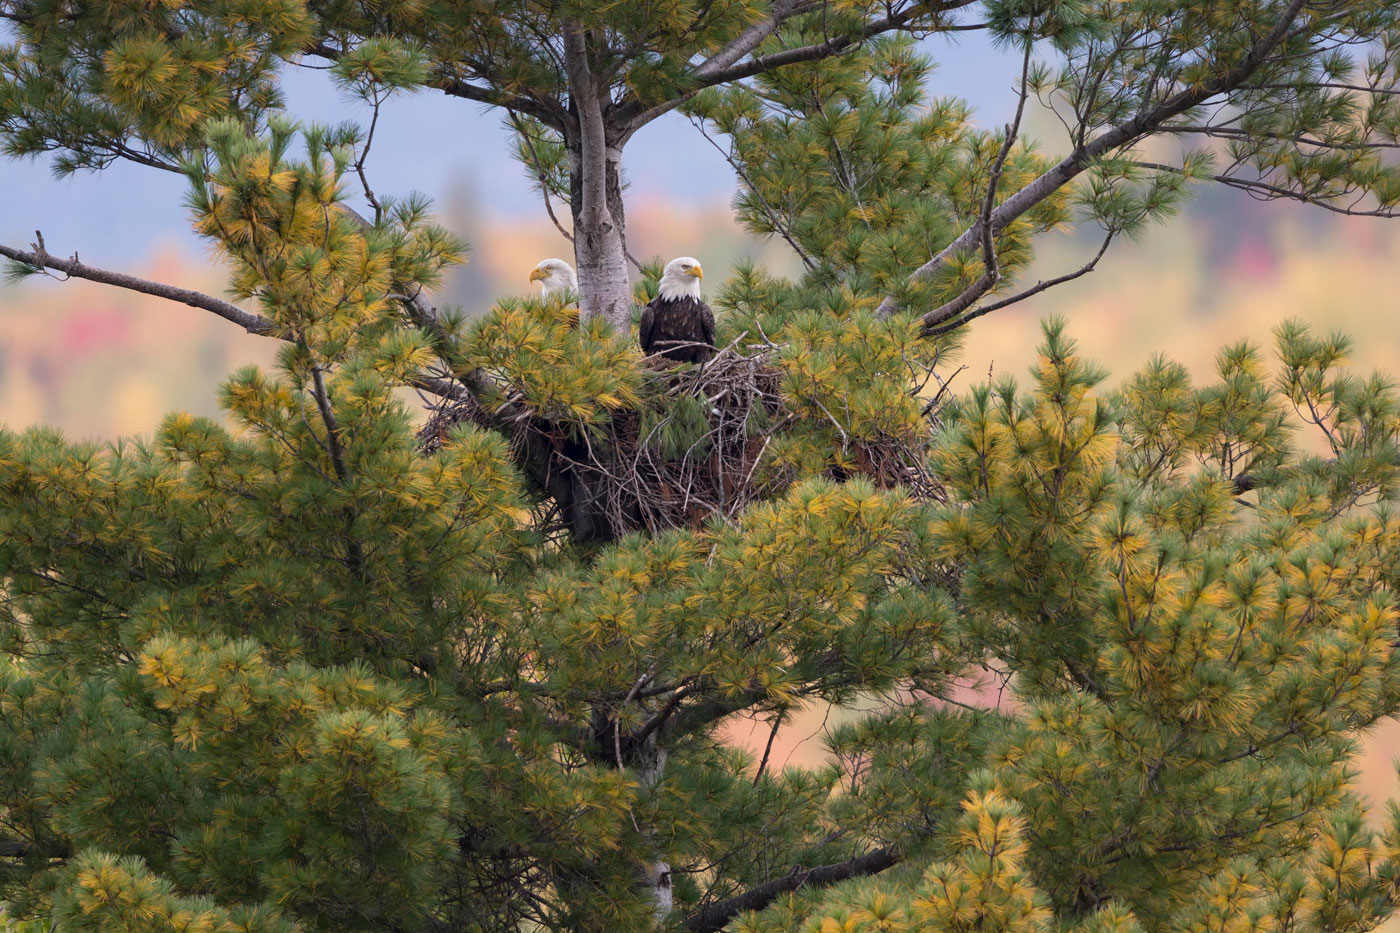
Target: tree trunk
(645, 758)
(658, 871)
(599, 244)
(596, 194)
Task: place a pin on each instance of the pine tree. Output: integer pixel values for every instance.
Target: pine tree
(333, 665)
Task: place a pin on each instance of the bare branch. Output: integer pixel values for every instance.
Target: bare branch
(1036, 289)
(40, 259)
(364, 155)
(715, 916)
(768, 747)
(422, 315)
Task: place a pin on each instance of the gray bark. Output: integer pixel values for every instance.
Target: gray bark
(716, 916)
(658, 877)
(599, 252)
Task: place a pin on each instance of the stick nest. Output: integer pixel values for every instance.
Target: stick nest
(705, 444)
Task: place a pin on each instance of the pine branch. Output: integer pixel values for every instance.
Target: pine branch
(425, 317)
(1263, 191)
(726, 66)
(1143, 124)
(11, 847)
(454, 86)
(714, 917)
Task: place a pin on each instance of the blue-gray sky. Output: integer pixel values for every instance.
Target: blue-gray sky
(426, 142)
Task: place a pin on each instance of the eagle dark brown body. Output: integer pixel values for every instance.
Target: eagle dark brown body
(681, 329)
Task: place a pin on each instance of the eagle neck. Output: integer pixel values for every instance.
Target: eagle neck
(672, 289)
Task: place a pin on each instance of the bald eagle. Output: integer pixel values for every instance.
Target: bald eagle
(556, 277)
(677, 324)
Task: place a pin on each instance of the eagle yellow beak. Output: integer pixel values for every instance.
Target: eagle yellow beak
(698, 272)
(538, 275)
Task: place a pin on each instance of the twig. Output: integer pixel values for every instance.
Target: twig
(538, 165)
(768, 748)
(364, 154)
(768, 209)
(1036, 289)
(991, 271)
(943, 385)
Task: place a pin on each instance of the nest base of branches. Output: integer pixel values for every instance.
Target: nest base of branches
(600, 483)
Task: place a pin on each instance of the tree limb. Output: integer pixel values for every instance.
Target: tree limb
(40, 259)
(1036, 289)
(715, 916)
(454, 86)
(1146, 122)
(725, 66)
(991, 271)
(419, 311)
(748, 40)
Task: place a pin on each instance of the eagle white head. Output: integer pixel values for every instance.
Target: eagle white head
(681, 278)
(555, 277)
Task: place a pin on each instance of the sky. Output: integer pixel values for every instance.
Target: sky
(426, 142)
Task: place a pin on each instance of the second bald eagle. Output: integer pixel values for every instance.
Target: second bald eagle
(677, 324)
